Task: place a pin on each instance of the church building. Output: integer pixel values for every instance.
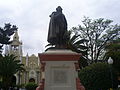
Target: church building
(31, 63)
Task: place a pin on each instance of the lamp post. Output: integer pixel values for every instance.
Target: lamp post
(110, 62)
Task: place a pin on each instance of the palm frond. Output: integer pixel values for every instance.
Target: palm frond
(81, 41)
(48, 45)
(49, 48)
(74, 38)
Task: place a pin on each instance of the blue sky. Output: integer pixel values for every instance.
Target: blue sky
(32, 17)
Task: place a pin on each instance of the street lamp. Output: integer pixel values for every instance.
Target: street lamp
(110, 62)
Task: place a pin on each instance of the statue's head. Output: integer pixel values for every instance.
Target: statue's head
(59, 9)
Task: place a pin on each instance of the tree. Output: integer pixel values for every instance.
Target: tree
(5, 34)
(97, 76)
(76, 44)
(98, 32)
(8, 67)
(113, 51)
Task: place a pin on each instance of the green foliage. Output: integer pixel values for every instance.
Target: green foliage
(20, 86)
(82, 62)
(9, 64)
(49, 47)
(76, 44)
(0, 84)
(5, 34)
(97, 32)
(8, 67)
(113, 51)
(117, 89)
(31, 86)
(98, 77)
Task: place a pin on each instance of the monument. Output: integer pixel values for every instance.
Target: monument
(59, 66)
(57, 34)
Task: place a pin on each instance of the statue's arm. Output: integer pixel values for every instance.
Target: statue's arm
(52, 15)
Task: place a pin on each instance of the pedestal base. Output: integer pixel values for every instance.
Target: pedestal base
(60, 75)
(59, 69)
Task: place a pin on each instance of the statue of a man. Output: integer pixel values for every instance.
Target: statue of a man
(57, 28)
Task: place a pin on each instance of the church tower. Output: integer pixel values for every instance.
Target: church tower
(31, 63)
(16, 46)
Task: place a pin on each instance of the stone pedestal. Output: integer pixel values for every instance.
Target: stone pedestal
(59, 69)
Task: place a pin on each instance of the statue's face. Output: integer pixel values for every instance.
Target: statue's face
(59, 9)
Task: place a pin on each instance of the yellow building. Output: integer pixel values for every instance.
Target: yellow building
(31, 63)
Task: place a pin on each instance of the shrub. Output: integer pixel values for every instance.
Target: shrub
(98, 77)
(31, 86)
(20, 86)
(0, 85)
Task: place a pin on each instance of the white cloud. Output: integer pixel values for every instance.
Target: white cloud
(32, 17)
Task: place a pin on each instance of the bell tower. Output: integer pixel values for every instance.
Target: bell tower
(16, 46)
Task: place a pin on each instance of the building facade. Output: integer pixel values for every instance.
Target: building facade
(31, 63)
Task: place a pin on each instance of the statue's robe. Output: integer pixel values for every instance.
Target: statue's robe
(57, 29)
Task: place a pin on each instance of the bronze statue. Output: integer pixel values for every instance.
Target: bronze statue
(57, 34)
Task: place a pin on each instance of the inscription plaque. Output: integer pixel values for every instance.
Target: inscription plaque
(60, 77)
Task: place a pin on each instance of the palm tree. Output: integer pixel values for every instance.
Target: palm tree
(75, 43)
(8, 67)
